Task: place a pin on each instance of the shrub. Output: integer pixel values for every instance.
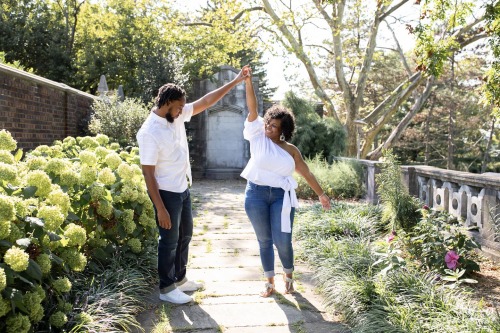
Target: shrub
(62, 210)
(120, 121)
(401, 210)
(342, 179)
(401, 299)
(315, 135)
(438, 237)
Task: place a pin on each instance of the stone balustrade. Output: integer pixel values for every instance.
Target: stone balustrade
(473, 198)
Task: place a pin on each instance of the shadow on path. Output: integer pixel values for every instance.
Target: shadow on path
(224, 254)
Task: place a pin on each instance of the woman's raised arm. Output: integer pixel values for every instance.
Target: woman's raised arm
(251, 98)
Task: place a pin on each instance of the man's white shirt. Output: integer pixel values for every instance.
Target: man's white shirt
(165, 146)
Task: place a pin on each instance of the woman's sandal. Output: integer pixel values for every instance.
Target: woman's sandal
(288, 284)
(268, 291)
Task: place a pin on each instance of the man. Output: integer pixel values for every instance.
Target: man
(164, 154)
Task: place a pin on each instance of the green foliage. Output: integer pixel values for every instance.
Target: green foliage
(139, 45)
(109, 301)
(401, 210)
(120, 121)
(315, 135)
(342, 179)
(373, 282)
(431, 50)
(66, 208)
(390, 254)
(32, 34)
(491, 88)
(343, 220)
(437, 234)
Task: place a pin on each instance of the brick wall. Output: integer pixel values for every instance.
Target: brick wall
(38, 111)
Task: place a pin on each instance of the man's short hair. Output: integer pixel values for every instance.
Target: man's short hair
(167, 93)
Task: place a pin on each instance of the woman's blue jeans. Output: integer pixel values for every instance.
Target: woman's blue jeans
(173, 243)
(263, 206)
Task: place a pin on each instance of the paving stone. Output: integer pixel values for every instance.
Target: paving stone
(224, 254)
(238, 314)
(217, 260)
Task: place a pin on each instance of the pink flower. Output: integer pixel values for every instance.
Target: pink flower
(425, 207)
(391, 236)
(451, 259)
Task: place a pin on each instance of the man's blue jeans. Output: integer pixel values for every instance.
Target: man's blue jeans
(173, 243)
(263, 206)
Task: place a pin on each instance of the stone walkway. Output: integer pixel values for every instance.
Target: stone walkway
(224, 255)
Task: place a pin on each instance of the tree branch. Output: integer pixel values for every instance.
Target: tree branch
(322, 47)
(302, 56)
(392, 10)
(398, 130)
(399, 49)
(240, 14)
(234, 19)
(396, 92)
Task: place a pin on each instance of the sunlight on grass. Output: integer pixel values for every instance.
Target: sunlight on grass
(164, 324)
(298, 327)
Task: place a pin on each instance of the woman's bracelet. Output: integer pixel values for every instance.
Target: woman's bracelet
(322, 194)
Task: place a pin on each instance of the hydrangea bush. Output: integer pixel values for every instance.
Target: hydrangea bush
(63, 207)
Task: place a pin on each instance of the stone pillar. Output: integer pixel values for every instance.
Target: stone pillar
(371, 170)
(490, 215)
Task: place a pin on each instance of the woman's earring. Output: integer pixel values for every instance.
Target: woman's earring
(282, 137)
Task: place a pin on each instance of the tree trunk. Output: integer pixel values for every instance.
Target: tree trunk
(451, 122)
(427, 136)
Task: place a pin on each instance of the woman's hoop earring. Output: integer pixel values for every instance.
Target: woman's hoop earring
(282, 137)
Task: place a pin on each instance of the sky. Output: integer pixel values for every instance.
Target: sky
(276, 64)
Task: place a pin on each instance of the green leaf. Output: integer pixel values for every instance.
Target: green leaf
(9, 273)
(85, 198)
(53, 237)
(10, 189)
(100, 254)
(72, 217)
(56, 259)
(25, 280)
(449, 278)
(38, 233)
(118, 213)
(15, 296)
(29, 192)
(18, 155)
(34, 270)
(5, 243)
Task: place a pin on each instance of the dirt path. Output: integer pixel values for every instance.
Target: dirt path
(224, 254)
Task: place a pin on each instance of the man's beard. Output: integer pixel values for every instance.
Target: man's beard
(169, 117)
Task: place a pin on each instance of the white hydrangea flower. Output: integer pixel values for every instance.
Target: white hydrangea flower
(106, 176)
(7, 142)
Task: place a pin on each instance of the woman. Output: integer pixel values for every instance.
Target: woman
(270, 198)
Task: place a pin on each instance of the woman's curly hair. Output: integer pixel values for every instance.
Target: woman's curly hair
(286, 116)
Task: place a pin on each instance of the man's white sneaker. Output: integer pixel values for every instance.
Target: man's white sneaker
(190, 286)
(176, 296)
